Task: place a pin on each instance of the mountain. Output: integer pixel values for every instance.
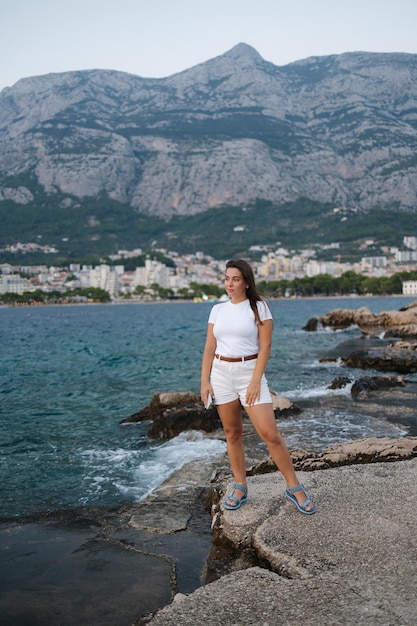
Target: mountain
(235, 131)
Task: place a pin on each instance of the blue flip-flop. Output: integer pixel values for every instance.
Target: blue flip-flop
(236, 501)
(301, 507)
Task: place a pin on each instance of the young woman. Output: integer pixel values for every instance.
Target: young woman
(235, 356)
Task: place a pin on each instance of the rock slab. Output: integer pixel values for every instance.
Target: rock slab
(351, 563)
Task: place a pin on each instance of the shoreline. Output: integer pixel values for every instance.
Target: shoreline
(342, 565)
(182, 301)
(129, 564)
(111, 564)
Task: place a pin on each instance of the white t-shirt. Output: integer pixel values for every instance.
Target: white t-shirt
(235, 328)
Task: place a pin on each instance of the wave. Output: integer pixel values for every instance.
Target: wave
(317, 392)
(135, 474)
(316, 433)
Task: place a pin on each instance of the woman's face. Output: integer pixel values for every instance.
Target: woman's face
(235, 285)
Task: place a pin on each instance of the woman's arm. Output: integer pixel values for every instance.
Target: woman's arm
(208, 356)
(265, 341)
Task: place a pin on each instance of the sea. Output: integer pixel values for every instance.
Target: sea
(70, 374)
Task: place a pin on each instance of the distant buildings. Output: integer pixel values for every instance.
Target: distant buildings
(406, 256)
(13, 283)
(199, 268)
(410, 287)
(153, 272)
(410, 242)
(106, 277)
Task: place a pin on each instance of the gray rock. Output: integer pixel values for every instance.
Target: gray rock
(369, 450)
(368, 384)
(107, 565)
(283, 406)
(400, 356)
(353, 562)
(397, 323)
(339, 382)
(173, 412)
(397, 357)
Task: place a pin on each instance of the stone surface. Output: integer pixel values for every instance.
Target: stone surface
(55, 574)
(283, 406)
(109, 566)
(401, 323)
(162, 401)
(369, 384)
(102, 566)
(400, 356)
(369, 450)
(364, 318)
(173, 412)
(351, 563)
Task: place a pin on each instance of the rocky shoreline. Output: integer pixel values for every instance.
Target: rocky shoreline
(179, 558)
(99, 565)
(351, 563)
(342, 565)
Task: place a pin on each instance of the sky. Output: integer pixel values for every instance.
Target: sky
(158, 38)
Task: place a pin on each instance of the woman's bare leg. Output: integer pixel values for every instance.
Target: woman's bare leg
(231, 418)
(263, 419)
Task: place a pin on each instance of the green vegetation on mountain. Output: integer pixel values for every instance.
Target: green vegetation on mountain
(93, 229)
(95, 161)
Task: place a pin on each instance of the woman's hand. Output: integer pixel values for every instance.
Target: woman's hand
(208, 355)
(205, 392)
(253, 392)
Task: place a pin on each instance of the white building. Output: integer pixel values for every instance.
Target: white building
(410, 242)
(105, 277)
(153, 272)
(373, 262)
(13, 283)
(410, 287)
(274, 267)
(314, 268)
(405, 256)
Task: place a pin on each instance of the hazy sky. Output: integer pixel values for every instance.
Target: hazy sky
(155, 38)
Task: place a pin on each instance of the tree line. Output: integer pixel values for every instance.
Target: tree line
(91, 294)
(346, 284)
(321, 285)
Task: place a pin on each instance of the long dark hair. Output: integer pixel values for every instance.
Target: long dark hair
(249, 278)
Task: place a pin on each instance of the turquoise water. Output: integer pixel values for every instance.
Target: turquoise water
(70, 374)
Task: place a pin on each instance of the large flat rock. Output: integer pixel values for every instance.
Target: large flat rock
(353, 562)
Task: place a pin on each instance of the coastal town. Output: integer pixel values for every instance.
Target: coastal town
(198, 268)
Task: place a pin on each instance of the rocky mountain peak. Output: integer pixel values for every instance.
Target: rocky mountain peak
(340, 129)
(243, 54)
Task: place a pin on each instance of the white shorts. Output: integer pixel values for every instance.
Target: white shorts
(230, 381)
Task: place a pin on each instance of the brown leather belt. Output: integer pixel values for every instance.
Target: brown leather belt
(230, 359)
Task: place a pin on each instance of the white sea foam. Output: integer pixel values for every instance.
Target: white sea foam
(317, 433)
(136, 473)
(330, 330)
(317, 392)
(330, 364)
